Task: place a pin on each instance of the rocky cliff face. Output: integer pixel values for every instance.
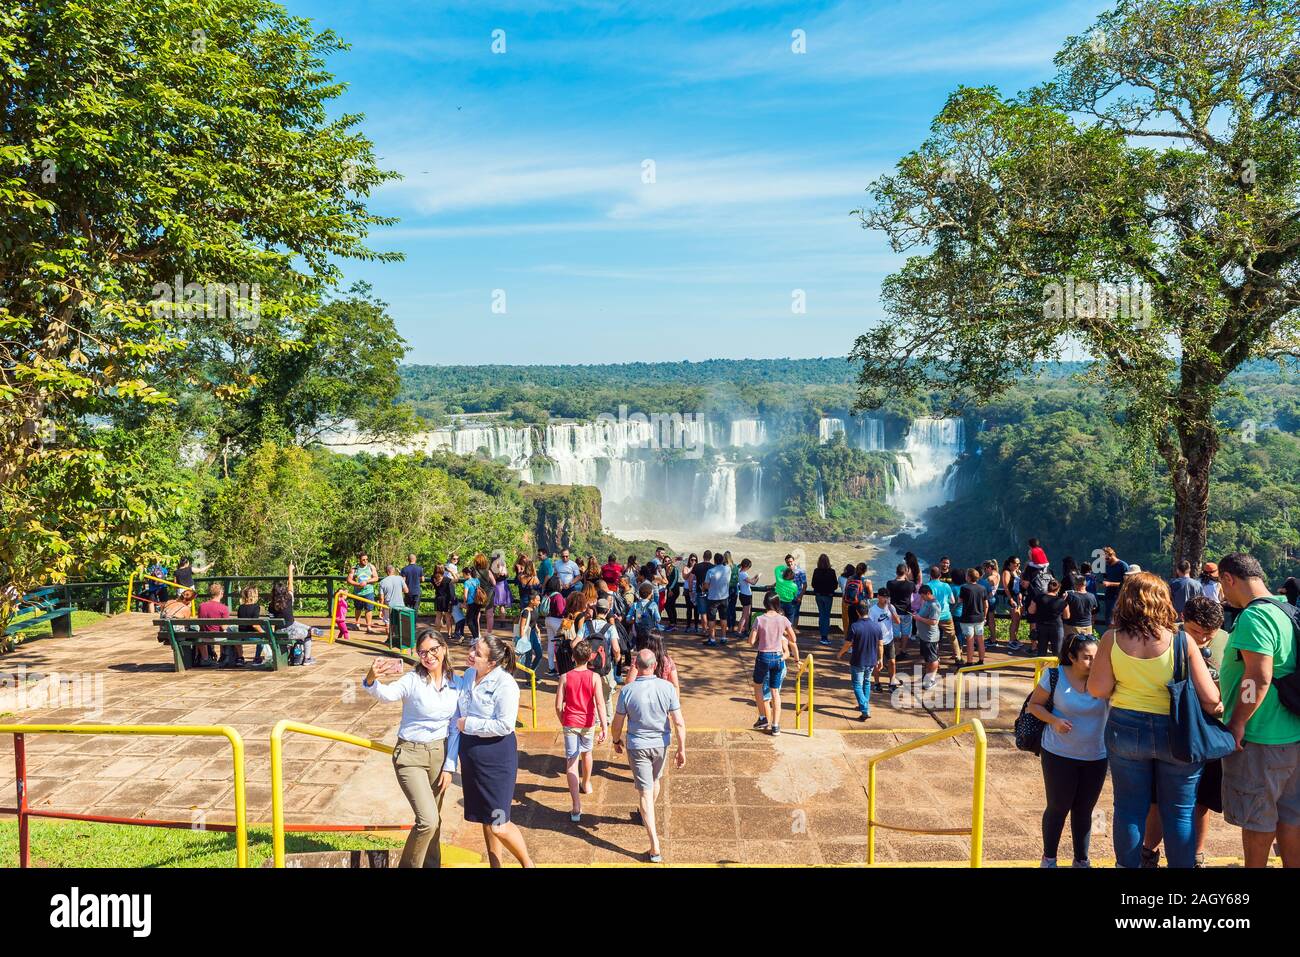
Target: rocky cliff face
(564, 515)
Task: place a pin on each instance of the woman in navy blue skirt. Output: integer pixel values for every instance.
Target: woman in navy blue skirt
(489, 752)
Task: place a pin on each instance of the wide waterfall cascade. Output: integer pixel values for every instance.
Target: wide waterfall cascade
(711, 473)
(500, 442)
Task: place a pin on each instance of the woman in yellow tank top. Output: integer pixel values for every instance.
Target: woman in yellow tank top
(1134, 666)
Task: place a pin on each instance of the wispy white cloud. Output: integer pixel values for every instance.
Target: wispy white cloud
(462, 180)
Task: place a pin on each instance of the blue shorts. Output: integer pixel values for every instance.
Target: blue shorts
(769, 669)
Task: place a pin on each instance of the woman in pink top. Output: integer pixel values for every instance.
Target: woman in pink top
(579, 706)
(774, 637)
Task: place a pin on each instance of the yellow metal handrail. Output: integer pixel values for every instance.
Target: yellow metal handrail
(532, 687)
(976, 830)
(130, 589)
(1048, 661)
(277, 771)
(343, 592)
(798, 699)
(163, 730)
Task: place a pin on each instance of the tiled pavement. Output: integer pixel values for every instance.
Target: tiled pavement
(742, 797)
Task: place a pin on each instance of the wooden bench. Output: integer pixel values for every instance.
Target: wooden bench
(45, 602)
(184, 635)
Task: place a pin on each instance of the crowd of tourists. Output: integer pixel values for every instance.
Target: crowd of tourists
(1145, 666)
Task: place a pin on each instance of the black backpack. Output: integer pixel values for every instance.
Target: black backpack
(1288, 686)
(601, 652)
(1028, 727)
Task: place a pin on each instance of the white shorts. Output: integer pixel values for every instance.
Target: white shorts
(974, 629)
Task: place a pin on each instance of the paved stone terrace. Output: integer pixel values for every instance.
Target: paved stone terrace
(743, 797)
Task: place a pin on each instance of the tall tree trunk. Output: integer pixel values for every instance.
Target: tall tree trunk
(1198, 443)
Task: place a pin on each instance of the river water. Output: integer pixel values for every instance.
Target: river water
(765, 555)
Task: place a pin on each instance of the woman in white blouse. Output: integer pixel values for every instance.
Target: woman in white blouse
(427, 738)
(488, 750)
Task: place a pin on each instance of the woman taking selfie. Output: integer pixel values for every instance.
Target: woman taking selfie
(489, 752)
(427, 739)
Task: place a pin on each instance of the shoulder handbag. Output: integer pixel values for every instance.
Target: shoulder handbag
(1029, 727)
(1193, 735)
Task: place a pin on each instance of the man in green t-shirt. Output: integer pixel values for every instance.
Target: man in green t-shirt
(787, 590)
(1261, 780)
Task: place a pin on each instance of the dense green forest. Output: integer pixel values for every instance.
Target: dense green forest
(830, 492)
(1051, 460)
(794, 392)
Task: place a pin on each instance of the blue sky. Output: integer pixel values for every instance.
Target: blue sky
(524, 170)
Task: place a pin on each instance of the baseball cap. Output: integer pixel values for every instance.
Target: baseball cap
(1211, 569)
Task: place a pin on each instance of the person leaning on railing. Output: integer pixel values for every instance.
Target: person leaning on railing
(427, 738)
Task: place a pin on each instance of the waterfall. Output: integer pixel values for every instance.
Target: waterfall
(872, 435)
(714, 497)
(748, 432)
(826, 429)
(924, 473)
(758, 492)
(821, 498)
(501, 442)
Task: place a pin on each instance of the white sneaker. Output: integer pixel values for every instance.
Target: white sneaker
(928, 682)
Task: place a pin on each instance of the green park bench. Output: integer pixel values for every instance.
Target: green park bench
(41, 606)
(184, 636)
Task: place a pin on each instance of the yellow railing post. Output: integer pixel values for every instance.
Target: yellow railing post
(378, 604)
(976, 831)
(1048, 661)
(977, 796)
(871, 813)
(165, 730)
(808, 673)
(532, 687)
(277, 771)
(130, 589)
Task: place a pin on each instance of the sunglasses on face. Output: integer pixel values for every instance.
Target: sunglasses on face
(429, 652)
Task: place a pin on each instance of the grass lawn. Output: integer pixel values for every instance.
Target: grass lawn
(81, 844)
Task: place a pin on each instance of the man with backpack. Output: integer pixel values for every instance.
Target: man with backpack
(602, 635)
(644, 613)
(1261, 696)
(552, 612)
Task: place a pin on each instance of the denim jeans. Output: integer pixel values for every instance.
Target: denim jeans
(1138, 746)
(862, 688)
(824, 603)
(791, 611)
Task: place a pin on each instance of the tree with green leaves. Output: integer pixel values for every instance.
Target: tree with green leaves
(1143, 205)
(175, 197)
